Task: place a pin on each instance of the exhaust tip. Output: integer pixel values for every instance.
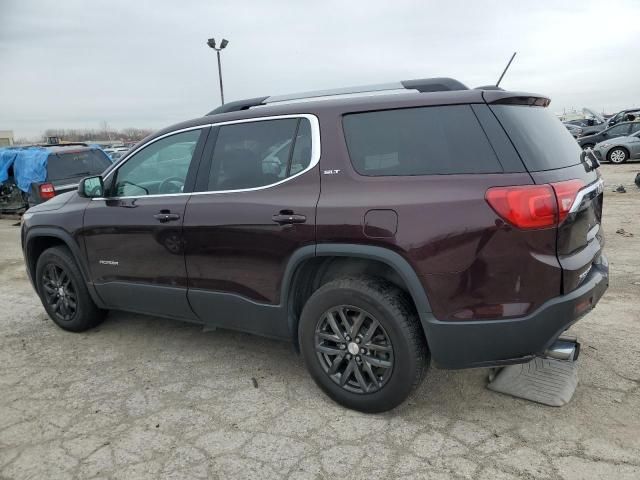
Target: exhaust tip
(564, 349)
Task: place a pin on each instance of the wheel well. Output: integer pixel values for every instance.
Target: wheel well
(317, 271)
(36, 246)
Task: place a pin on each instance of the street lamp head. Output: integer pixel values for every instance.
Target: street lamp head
(224, 43)
(212, 43)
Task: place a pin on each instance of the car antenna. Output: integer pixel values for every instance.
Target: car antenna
(505, 69)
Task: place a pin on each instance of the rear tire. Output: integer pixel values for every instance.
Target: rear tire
(363, 369)
(588, 145)
(618, 155)
(64, 293)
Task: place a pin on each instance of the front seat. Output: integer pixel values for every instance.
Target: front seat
(240, 169)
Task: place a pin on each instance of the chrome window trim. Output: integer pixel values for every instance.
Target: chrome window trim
(69, 185)
(315, 155)
(596, 187)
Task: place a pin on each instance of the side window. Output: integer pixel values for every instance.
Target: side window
(419, 141)
(619, 130)
(255, 154)
(160, 168)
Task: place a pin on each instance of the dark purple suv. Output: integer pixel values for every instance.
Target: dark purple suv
(375, 232)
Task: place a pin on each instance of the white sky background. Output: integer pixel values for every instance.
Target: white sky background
(136, 63)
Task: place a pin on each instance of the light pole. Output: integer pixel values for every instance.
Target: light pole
(212, 43)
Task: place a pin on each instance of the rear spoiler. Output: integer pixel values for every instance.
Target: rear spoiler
(498, 97)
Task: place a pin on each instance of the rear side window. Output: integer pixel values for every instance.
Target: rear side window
(61, 166)
(419, 141)
(619, 130)
(260, 153)
(541, 139)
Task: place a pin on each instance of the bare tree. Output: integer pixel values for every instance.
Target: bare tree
(103, 133)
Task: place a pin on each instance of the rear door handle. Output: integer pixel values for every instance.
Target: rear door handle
(287, 217)
(164, 217)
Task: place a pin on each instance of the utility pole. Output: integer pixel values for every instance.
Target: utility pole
(212, 44)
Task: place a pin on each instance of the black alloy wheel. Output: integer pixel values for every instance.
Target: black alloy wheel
(59, 293)
(64, 292)
(362, 342)
(354, 349)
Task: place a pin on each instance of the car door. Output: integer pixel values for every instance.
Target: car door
(133, 236)
(256, 208)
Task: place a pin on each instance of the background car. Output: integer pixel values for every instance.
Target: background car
(34, 174)
(574, 130)
(115, 153)
(591, 122)
(628, 115)
(620, 130)
(619, 150)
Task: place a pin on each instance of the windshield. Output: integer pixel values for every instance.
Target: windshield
(540, 138)
(81, 163)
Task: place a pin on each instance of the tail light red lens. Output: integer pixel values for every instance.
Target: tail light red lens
(566, 193)
(525, 206)
(534, 206)
(47, 191)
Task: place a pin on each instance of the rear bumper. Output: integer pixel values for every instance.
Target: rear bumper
(483, 343)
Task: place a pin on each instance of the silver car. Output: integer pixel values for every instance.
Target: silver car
(619, 150)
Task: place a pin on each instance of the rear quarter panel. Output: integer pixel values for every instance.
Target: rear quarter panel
(462, 252)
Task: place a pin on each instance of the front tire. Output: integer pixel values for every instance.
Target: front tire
(618, 155)
(362, 343)
(64, 293)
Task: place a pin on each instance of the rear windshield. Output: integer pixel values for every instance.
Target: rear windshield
(541, 139)
(76, 164)
(419, 141)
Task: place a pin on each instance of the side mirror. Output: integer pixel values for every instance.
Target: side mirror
(91, 187)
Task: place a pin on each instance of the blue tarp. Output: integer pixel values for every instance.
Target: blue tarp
(7, 156)
(29, 165)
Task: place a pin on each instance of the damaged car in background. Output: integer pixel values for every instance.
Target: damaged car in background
(34, 174)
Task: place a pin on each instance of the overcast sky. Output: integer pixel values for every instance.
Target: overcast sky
(137, 63)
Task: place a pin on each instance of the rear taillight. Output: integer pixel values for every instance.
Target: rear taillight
(566, 193)
(526, 206)
(47, 191)
(534, 206)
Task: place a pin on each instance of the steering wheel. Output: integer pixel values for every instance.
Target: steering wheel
(171, 185)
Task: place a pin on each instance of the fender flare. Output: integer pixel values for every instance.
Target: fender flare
(71, 244)
(381, 254)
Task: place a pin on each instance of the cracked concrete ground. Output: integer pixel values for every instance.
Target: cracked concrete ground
(142, 397)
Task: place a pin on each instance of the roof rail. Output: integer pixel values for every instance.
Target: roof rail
(442, 84)
(239, 105)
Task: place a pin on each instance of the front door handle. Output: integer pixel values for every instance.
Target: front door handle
(287, 217)
(165, 216)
